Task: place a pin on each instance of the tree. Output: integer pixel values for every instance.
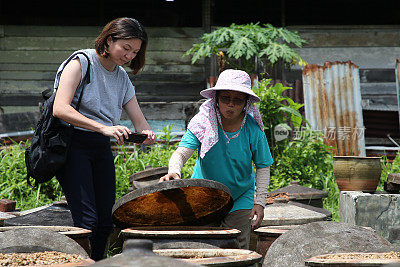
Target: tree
(247, 46)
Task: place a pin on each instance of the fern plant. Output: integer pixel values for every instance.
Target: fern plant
(247, 43)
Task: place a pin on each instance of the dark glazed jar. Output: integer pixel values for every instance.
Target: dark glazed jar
(171, 237)
(139, 253)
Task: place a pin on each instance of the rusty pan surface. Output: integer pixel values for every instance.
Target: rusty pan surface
(213, 257)
(180, 232)
(354, 259)
(176, 202)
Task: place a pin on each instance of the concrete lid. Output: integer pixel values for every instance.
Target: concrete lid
(27, 240)
(4, 216)
(49, 215)
(147, 177)
(301, 192)
(317, 238)
(288, 214)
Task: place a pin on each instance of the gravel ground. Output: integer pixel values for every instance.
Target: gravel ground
(39, 258)
(353, 256)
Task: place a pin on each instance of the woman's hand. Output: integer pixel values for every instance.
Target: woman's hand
(118, 132)
(151, 137)
(257, 210)
(170, 176)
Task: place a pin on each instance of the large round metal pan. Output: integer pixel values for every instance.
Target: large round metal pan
(175, 202)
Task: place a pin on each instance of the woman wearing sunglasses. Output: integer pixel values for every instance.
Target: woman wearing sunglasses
(229, 135)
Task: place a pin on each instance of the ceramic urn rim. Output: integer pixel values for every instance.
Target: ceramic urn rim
(201, 233)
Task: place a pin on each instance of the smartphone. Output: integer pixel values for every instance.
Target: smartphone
(137, 138)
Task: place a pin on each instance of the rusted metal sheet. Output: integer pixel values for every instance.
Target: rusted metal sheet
(332, 99)
(398, 84)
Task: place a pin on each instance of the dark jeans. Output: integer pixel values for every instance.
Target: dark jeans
(88, 182)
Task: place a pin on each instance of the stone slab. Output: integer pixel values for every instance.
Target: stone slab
(379, 211)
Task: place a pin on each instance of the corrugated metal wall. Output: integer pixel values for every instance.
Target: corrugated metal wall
(332, 100)
(398, 84)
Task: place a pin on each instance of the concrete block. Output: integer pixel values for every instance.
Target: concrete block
(379, 211)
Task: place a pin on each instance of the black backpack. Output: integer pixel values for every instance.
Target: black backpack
(48, 150)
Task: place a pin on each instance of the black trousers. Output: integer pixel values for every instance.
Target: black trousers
(88, 182)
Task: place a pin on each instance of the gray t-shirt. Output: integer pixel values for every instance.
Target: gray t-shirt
(107, 92)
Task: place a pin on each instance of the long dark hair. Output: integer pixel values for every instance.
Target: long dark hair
(123, 28)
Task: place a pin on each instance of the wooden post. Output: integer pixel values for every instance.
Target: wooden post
(206, 21)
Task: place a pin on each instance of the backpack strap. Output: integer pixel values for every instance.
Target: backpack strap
(86, 78)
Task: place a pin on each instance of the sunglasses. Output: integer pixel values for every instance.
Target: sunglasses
(236, 101)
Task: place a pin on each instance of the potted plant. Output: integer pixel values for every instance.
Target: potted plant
(252, 47)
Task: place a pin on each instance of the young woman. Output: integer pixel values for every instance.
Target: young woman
(88, 177)
(229, 135)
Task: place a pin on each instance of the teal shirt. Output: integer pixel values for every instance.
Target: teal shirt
(231, 163)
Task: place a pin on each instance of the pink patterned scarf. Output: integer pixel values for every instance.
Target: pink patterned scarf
(204, 125)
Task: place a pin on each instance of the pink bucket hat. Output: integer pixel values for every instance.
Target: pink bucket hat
(235, 80)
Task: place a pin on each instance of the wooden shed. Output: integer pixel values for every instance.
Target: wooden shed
(36, 37)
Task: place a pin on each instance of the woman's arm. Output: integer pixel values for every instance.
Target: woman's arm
(62, 109)
(262, 182)
(140, 123)
(176, 162)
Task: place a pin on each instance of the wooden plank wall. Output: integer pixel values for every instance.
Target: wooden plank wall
(30, 56)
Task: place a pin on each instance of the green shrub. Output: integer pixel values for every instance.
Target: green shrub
(13, 183)
(388, 167)
(13, 171)
(309, 161)
(274, 111)
(157, 155)
(306, 158)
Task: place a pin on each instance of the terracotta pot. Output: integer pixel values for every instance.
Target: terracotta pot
(268, 234)
(357, 173)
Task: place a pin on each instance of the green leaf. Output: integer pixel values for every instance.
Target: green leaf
(242, 47)
(290, 111)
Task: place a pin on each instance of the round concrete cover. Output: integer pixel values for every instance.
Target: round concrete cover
(176, 202)
(305, 241)
(289, 214)
(300, 192)
(27, 240)
(54, 215)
